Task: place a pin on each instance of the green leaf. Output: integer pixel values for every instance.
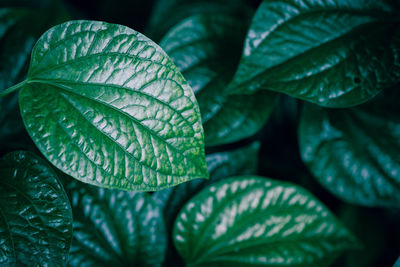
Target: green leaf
(354, 153)
(106, 105)
(332, 53)
(115, 228)
(220, 165)
(35, 215)
(241, 116)
(241, 161)
(168, 13)
(206, 49)
(246, 221)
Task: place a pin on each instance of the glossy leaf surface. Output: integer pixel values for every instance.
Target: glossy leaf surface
(246, 221)
(333, 53)
(206, 49)
(35, 215)
(106, 105)
(354, 153)
(115, 228)
(241, 161)
(220, 165)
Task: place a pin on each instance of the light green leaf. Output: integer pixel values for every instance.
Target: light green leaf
(249, 221)
(333, 53)
(115, 228)
(106, 105)
(35, 215)
(354, 153)
(206, 49)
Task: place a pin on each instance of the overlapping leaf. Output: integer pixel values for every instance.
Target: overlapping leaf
(220, 165)
(115, 228)
(35, 215)
(206, 49)
(248, 221)
(106, 105)
(333, 53)
(168, 13)
(354, 153)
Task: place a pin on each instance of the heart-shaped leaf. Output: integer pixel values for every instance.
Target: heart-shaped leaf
(115, 228)
(354, 153)
(35, 215)
(206, 49)
(331, 52)
(248, 221)
(107, 106)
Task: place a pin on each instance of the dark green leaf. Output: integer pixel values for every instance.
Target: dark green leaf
(115, 228)
(35, 215)
(247, 221)
(106, 105)
(240, 117)
(332, 53)
(168, 13)
(19, 30)
(16, 44)
(206, 48)
(220, 165)
(354, 152)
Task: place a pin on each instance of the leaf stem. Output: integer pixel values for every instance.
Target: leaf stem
(12, 88)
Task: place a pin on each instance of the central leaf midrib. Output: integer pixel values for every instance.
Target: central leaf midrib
(265, 71)
(130, 91)
(145, 187)
(65, 89)
(122, 148)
